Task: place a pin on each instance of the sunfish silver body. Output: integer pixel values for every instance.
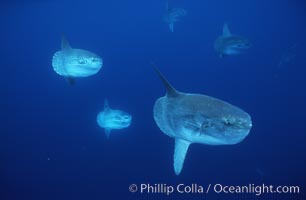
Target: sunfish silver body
(113, 119)
(195, 118)
(229, 44)
(75, 63)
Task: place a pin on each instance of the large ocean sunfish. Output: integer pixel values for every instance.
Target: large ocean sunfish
(113, 119)
(195, 118)
(74, 63)
(229, 44)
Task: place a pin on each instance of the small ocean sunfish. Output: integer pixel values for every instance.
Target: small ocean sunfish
(113, 119)
(229, 44)
(73, 63)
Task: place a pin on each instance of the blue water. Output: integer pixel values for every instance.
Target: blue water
(51, 146)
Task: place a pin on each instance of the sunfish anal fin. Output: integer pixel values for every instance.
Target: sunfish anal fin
(107, 132)
(180, 150)
(70, 80)
(65, 44)
(171, 27)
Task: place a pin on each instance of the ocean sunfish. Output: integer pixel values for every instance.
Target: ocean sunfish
(113, 119)
(74, 63)
(229, 44)
(195, 118)
(173, 15)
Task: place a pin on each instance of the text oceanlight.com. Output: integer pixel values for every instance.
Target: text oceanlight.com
(194, 188)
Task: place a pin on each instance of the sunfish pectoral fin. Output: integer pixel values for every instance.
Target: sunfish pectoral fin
(64, 43)
(171, 27)
(107, 132)
(226, 31)
(202, 128)
(180, 150)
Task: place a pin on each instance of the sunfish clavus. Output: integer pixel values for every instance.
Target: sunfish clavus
(195, 118)
(113, 119)
(74, 63)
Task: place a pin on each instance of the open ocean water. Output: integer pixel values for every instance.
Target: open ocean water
(51, 146)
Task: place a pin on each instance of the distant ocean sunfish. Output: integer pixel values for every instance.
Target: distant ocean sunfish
(229, 44)
(173, 15)
(288, 56)
(113, 119)
(74, 63)
(195, 118)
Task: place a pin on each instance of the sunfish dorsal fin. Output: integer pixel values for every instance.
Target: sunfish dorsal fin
(65, 44)
(167, 5)
(171, 91)
(226, 31)
(180, 151)
(106, 105)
